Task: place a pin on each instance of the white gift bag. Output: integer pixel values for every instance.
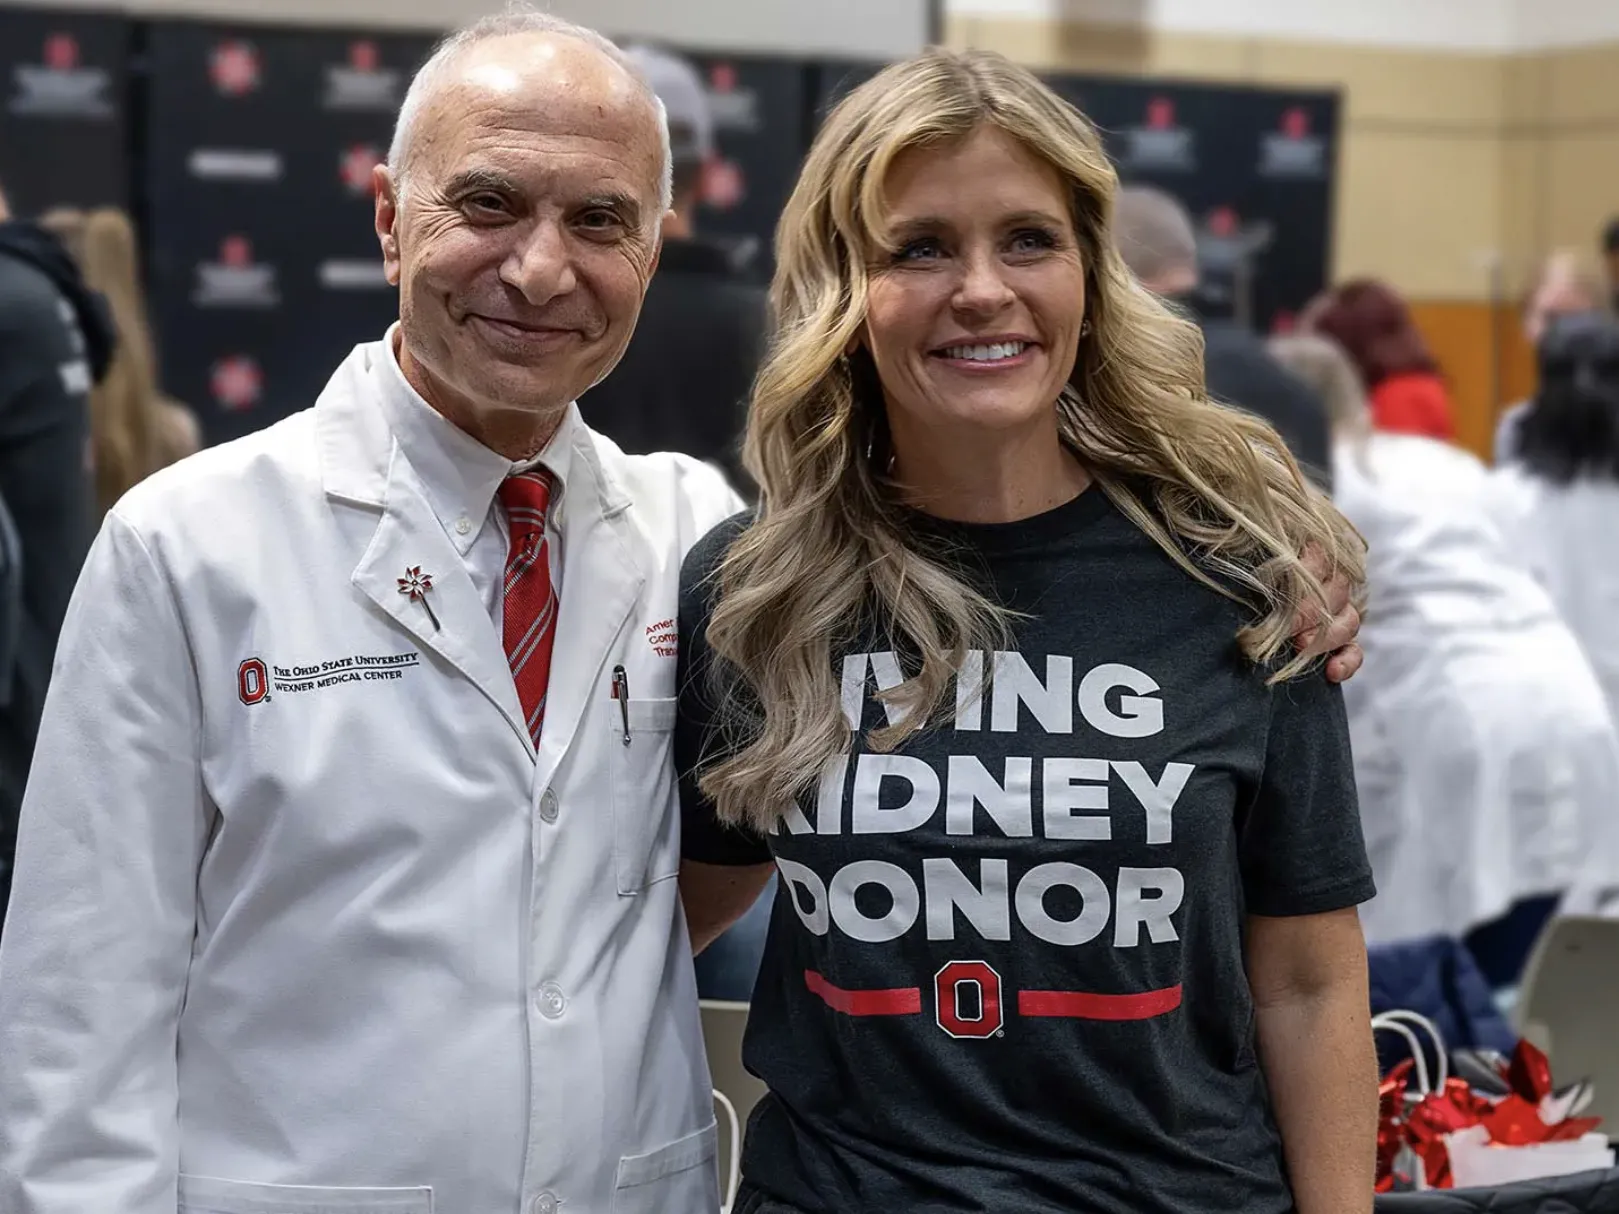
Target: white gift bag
(1477, 1163)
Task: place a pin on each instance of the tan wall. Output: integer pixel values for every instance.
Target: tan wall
(1450, 161)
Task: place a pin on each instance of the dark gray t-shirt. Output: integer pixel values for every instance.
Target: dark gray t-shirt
(1005, 969)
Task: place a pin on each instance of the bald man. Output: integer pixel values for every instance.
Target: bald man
(1154, 235)
(346, 878)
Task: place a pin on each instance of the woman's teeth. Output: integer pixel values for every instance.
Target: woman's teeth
(987, 354)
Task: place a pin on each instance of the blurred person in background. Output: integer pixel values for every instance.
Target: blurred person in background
(1374, 325)
(1485, 757)
(1558, 502)
(683, 383)
(683, 386)
(56, 343)
(135, 429)
(1560, 289)
(1156, 238)
(1610, 260)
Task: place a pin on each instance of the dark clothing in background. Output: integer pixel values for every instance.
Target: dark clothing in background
(684, 382)
(56, 340)
(1241, 371)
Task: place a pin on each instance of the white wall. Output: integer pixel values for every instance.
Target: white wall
(1464, 25)
(1548, 23)
(1486, 25)
(857, 28)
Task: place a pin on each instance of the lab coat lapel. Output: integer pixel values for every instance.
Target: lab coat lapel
(409, 536)
(601, 583)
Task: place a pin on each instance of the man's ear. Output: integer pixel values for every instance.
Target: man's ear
(657, 253)
(387, 220)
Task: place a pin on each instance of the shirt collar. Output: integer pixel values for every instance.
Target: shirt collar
(459, 475)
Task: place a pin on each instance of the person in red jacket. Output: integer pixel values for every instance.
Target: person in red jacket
(1373, 323)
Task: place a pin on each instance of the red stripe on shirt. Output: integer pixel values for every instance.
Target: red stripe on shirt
(1078, 1005)
(904, 1002)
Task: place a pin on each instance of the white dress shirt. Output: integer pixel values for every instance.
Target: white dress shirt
(461, 479)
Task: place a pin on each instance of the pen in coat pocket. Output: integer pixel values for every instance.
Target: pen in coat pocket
(621, 693)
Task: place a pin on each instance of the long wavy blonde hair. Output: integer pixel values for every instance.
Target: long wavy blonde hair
(134, 428)
(831, 548)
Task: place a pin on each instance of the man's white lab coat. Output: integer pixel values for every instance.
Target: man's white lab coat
(302, 922)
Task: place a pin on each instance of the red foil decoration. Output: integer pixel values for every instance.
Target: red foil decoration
(1422, 1124)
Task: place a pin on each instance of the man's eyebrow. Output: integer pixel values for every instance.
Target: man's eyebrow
(480, 179)
(626, 206)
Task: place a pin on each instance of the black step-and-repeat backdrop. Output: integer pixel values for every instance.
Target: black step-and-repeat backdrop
(264, 264)
(758, 106)
(247, 153)
(64, 88)
(1254, 166)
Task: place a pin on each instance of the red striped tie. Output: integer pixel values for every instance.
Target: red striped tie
(530, 612)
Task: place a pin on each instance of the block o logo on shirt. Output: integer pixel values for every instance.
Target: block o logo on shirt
(968, 1000)
(252, 682)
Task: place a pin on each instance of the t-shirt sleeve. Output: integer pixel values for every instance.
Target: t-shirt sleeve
(703, 837)
(1299, 837)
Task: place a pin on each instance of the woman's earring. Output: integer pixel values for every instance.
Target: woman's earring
(1085, 328)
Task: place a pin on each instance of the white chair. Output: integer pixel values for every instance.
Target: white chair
(1568, 1005)
(735, 1091)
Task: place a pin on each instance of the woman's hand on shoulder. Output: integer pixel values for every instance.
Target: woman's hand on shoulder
(1330, 633)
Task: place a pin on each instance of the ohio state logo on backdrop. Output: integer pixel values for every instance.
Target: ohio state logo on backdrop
(362, 83)
(1226, 243)
(234, 68)
(354, 168)
(1292, 151)
(734, 108)
(1160, 143)
(724, 185)
(59, 85)
(61, 52)
(237, 383)
(235, 279)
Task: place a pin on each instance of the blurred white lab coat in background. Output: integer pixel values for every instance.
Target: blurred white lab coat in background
(1486, 757)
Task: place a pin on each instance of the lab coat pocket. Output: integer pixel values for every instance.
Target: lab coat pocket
(644, 808)
(212, 1195)
(676, 1179)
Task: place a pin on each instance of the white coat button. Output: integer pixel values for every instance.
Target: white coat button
(552, 1001)
(548, 806)
(546, 1203)
(463, 526)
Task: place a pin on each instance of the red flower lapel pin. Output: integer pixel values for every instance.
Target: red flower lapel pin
(416, 584)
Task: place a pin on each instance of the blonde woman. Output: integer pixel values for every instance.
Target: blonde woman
(134, 428)
(1487, 766)
(1000, 680)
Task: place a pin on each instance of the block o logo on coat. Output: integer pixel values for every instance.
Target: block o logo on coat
(968, 1002)
(252, 681)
